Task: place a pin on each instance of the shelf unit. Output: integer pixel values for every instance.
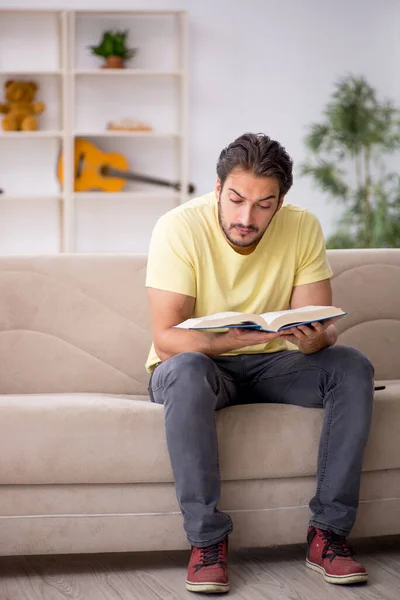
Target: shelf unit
(17, 135)
(126, 73)
(17, 72)
(129, 134)
(154, 83)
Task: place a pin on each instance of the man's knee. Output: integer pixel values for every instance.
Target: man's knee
(189, 363)
(351, 368)
(186, 370)
(349, 359)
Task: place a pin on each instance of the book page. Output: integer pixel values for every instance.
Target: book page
(221, 315)
(270, 316)
(292, 313)
(195, 322)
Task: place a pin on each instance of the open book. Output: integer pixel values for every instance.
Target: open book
(270, 322)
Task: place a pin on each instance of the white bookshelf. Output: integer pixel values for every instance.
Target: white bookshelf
(37, 73)
(81, 98)
(128, 134)
(138, 194)
(31, 134)
(126, 73)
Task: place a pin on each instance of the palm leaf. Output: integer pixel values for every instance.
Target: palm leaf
(328, 178)
(348, 147)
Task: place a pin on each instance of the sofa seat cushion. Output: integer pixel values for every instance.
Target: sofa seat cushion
(102, 438)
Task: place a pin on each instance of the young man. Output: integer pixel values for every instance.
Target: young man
(240, 249)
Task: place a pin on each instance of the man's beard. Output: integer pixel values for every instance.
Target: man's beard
(241, 243)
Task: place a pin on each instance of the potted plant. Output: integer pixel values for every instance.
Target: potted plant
(348, 152)
(113, 49)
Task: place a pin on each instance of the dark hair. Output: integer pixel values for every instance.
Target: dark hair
(256, 152)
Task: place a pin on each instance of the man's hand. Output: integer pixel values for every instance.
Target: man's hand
(168, 309)
(318, 336)
(242, 337)
(314, 337)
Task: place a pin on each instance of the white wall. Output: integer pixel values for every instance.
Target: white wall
(270, 65)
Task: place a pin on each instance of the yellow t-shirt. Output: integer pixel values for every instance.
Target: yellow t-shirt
(190, 255)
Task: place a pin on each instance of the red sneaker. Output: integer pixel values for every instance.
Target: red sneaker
(331, 554)
(208, 569)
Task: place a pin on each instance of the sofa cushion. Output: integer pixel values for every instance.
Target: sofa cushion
(366, 283)
(73, 323)
(101, 438)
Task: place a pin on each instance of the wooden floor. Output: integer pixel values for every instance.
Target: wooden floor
(268, 574)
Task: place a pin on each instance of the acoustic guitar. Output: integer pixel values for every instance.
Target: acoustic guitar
(106, 171)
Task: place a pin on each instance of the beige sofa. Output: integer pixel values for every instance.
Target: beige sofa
(83, 461)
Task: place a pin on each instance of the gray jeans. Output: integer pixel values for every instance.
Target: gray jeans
(192, 386)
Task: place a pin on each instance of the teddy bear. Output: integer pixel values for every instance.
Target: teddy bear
(20, 109)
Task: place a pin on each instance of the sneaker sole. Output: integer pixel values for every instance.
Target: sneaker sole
(208, 587)
(338, 579)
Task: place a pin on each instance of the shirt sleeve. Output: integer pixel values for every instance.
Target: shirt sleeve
(312, 263)
(170, 264)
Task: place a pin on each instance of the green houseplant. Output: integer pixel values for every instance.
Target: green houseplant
(349, 154)
(113, 48)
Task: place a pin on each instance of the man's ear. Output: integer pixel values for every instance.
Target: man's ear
(218, 188)
(281, 199)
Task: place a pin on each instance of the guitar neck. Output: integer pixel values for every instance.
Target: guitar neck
(111, 172)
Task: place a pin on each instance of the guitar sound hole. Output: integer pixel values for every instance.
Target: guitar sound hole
(80, 165)
(104, 170)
